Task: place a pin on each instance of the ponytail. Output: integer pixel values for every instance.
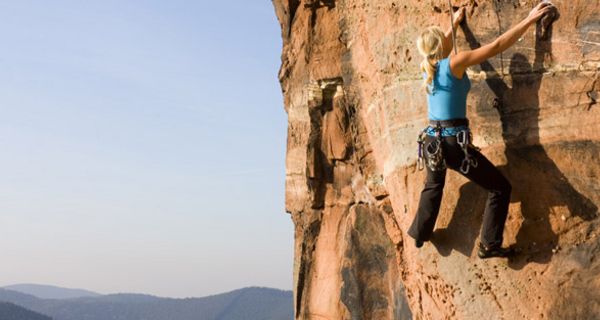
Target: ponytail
(430, 46)
(429, 67)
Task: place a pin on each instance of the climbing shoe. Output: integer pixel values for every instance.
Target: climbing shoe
(494, 251)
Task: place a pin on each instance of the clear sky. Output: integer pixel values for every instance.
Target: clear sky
(142, 146)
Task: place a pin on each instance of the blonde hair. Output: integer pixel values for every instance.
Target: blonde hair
(431, 46)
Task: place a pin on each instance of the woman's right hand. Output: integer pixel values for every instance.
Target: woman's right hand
(538, 11)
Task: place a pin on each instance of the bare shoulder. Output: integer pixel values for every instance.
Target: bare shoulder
(455, 66)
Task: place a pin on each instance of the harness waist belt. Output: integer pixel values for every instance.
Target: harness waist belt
(449, 123)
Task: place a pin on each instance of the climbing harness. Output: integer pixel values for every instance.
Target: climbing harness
(432, 154)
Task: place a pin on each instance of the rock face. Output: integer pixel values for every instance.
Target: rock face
(352, 92)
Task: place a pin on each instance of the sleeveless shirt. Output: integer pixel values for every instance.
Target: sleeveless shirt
(448, 94)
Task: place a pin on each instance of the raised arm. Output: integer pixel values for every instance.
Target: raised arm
(465, 59)
(494, 81)
(456, 19)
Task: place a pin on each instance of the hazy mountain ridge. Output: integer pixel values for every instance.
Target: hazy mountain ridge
(246, 303)
(10, 311)
(51, 292)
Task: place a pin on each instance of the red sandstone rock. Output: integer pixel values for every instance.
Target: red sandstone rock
(352, 186)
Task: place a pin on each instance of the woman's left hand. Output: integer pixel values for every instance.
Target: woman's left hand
(459, 15)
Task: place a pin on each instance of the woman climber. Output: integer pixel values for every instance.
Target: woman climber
(445, 143)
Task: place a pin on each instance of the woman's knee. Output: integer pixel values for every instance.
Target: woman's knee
(433, 187)
(437, 183)
(504, 186)
(435, 177)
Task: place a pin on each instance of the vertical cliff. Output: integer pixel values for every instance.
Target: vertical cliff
(351, 87)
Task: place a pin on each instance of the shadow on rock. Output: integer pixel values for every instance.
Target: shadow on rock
(538, 184)
(463, 229)
(578, 295)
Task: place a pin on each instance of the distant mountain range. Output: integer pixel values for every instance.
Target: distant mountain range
(51, 292)
(9, 311)
(74, 304)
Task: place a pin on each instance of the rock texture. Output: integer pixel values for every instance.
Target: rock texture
(351, 87)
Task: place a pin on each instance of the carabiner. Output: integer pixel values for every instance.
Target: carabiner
(461, 138)
(464, 167)
(420, 164)
(473, 162)
(433, 147)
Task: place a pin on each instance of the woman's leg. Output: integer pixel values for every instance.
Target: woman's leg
(429, 205)
(496, 209)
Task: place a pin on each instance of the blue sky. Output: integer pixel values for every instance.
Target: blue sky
(142, 146)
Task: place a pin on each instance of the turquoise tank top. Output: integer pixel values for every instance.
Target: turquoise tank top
(448, 97)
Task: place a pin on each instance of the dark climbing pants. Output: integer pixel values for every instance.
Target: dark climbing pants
(485, 175)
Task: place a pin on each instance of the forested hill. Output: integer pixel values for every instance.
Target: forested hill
(242, 304)
(10, 311)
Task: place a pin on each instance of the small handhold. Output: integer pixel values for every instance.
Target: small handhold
(546, 22)
(593, 95)
(497, 103)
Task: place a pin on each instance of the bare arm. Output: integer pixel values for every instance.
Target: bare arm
(465, 59)
(494, 82)
(457, 18)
